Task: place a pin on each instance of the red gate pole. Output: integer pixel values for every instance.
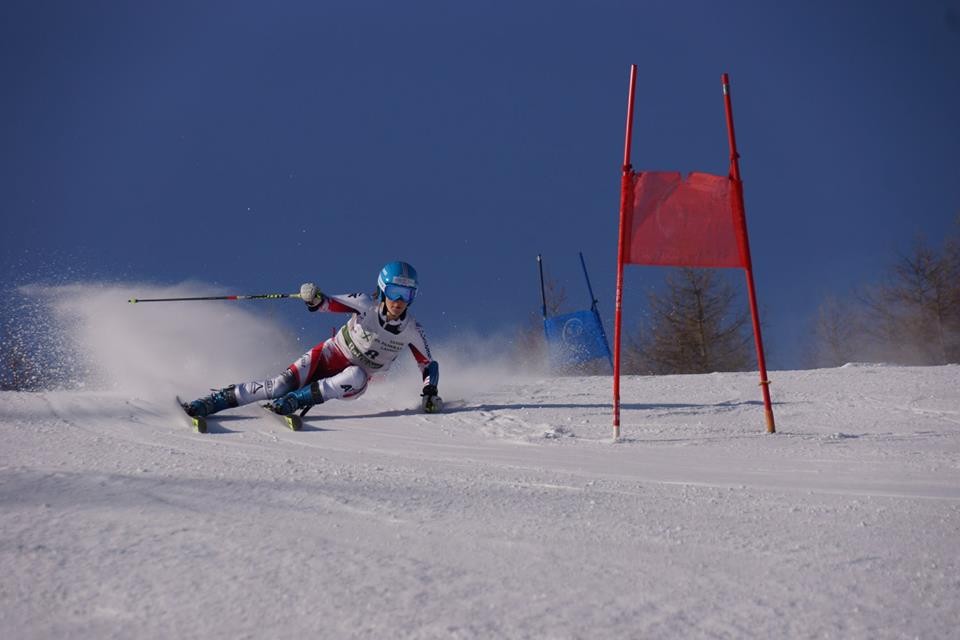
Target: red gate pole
(626, 201)
(741, 217)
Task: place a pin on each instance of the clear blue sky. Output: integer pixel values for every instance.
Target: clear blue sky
(256, 145)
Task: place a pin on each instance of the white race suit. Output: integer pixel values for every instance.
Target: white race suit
(368, 343)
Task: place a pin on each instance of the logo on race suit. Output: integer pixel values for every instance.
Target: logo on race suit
(572, 330)
(257, 386)
(423, 337)
(346, 387)
(356, 352)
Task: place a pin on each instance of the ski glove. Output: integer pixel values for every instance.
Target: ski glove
(311, 295)
(430, 401)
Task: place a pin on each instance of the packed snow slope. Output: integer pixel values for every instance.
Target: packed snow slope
(512, 515)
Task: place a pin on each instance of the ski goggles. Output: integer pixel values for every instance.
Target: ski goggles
(398, 292)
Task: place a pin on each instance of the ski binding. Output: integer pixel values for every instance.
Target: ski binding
(199, 424)
(292, 422)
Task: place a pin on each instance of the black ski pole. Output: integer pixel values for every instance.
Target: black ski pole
(261, 296)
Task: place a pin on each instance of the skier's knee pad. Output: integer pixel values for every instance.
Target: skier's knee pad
(349, 383)
(276, 387)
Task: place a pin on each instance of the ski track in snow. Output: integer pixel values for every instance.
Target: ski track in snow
(513, 515)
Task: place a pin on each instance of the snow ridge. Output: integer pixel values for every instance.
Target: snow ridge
(510, 515)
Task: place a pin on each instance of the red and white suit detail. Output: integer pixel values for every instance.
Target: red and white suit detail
(368, 343)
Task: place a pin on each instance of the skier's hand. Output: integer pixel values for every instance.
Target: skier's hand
(430, 401)
(311, 295)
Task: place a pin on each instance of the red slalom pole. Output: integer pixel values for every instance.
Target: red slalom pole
(626, 201)
(741, 217)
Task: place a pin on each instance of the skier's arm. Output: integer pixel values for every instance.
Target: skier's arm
(317, 301)
(431, 376)
(430, 399)
(429, 369)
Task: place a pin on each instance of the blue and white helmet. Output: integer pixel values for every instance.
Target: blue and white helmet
(398, 281)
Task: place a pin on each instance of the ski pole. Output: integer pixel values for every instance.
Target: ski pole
(543, 295)
(262, 296)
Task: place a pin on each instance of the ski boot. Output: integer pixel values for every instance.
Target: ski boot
(430, 402)
(299, 400)
(219, 400)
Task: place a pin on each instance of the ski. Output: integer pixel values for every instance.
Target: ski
(292, 422)
(446, 406)
(431, 404)
(199, 424)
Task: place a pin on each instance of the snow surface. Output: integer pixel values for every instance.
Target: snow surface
(512, 515)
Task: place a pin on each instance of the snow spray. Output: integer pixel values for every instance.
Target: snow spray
(97, 340)
(87, 336)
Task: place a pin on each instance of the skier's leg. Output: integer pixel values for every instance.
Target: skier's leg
(218, 400)
(312, 363)
(258, 390)
(327, 374)
(347, 384)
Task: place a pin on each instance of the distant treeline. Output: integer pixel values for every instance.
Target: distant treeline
(698, 323)
(910, 316)
(695, 323)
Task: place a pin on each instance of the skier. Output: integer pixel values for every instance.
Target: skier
(379, 329)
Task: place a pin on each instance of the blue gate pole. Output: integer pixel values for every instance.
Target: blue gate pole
(596, 312)
(543, 295)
